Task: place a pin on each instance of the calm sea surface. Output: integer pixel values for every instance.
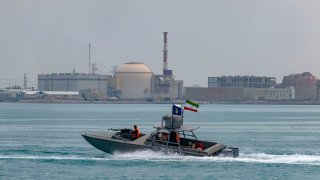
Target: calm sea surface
(43, 141)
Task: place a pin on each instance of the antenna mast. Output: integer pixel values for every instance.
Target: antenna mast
(89, 58)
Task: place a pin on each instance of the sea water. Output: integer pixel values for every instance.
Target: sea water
(43, 141)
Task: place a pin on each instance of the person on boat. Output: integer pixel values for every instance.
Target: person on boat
(164, 136)
(135, 133)
(177, 137)
(199, 146)
(174, 137)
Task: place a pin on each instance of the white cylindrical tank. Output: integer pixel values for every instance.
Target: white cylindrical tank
(134, 80)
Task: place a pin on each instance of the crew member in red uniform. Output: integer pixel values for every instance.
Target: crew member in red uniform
(136, 132)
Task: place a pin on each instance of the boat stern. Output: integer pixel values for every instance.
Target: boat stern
(229, 152)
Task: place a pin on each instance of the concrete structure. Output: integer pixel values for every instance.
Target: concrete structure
(242, 81)
(10, 95)
(112, 87)
(134, 80)
(305, 85)
(318, 89)
(166, 87)
(165, 51)
(130, 81)
(238, 94)
(274, 94)
(214, 94)
(71, 82)
(92, 94)
(52, 94)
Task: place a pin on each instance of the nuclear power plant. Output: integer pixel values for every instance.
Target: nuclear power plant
(135, 80)
(130, 81)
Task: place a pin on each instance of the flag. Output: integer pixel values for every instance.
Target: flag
(191, 106)
(176, 110)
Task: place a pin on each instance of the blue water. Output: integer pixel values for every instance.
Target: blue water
(43, 141)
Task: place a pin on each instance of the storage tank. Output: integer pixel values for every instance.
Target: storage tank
(134, 80)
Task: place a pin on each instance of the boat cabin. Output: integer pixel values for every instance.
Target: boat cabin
(181, 138)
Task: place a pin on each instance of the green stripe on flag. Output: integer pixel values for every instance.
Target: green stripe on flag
(192, 103)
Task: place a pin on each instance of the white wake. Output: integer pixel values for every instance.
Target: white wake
(248, 158)
(159, 156)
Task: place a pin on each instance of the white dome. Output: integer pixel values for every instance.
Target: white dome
(133, 67)
(134, 80)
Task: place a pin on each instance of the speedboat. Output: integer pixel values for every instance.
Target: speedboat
(171, 136)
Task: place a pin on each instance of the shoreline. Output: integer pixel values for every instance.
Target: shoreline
(64, 101)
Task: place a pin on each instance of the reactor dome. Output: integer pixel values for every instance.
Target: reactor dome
(133, 67)
(134, 80)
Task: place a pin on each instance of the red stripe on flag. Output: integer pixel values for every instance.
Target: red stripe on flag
(189, 109)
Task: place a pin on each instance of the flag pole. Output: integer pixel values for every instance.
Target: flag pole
(182, 111)
(172, 94)
(172, 116)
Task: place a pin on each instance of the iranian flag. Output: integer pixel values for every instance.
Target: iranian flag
(191, 106)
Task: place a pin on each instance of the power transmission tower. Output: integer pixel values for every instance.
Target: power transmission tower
(94, 68)
(25, 86)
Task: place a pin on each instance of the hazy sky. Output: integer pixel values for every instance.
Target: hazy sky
(206, 38)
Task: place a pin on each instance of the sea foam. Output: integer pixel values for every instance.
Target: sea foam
(148, 155)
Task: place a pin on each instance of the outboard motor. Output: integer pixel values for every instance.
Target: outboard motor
(229, 152)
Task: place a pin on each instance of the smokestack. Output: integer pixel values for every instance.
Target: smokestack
(165, 51)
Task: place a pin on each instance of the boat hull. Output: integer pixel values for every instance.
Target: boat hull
(110, 146)
(106, 143)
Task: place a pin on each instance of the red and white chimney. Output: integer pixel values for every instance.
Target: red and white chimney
(165, 51)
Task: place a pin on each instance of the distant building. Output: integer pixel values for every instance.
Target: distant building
(134, 80)
(238, 94)
(215, 94)
(92, 94)
(274, 93)
(72, 82)
(10, 94)
(166, 87)
(242, 81)
(130, 81)
(305, 85)
(51, 96)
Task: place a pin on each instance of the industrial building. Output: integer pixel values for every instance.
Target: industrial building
(240, 88)
(130, 81)
(10, 95)
(239, 94)
(133, 81)
(305, 85)
(242, 81)
(167, 87)
(214, 94)
(274, 93)
(72, 82)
